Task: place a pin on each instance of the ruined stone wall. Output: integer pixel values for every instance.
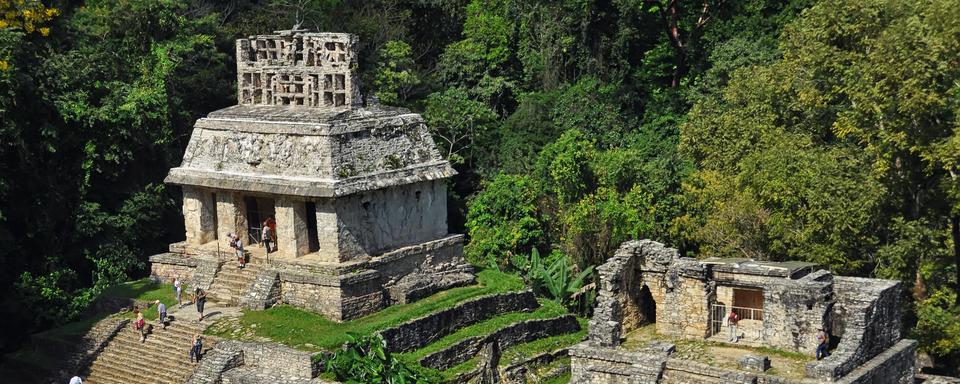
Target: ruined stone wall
(361, 288)
(166, 267)
(520, 332)
(678, 286)
(685, 308)
(867, 313)
(795, 310)
(591, 363)
(422, 331)
(235, 362)
(322, 299)
(895, 365)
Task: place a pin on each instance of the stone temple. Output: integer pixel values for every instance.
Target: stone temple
(358, 194)
(781, 306)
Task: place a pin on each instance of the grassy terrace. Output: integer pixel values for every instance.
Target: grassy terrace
(523, 351)
(547, 310)
(310, 331)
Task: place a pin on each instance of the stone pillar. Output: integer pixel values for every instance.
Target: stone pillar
(292, 240)
(328, 231)
(198, 215)
(231, 215)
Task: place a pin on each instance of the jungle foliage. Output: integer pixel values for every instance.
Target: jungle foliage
(778, 130)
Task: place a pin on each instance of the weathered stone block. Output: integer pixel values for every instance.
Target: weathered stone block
(754, 363)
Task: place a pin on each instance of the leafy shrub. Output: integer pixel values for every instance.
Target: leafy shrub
(365, 359)
(503, 219)
(553, 278)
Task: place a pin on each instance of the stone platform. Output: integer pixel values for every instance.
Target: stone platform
(340, 291)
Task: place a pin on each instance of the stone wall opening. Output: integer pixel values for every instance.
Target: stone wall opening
(216, 219)
(313, 241)
(648, 307)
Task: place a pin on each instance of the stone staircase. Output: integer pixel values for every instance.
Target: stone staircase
(231, 282)
(163, 358)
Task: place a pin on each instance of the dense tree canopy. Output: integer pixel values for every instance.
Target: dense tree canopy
(782, 130)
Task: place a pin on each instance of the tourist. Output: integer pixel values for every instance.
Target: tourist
(200, 297)
(140, 325)
(265, 235)
(732, 320)
(178, 287)
(196, 348)
(162, 311)
(273, 231)
(237, 245)
(76, 380)
(822, 344)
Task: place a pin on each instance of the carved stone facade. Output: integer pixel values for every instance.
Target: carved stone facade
(298, 68)
(781, 305)
(357, 195)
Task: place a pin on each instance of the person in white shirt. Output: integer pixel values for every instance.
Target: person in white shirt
(179, 288)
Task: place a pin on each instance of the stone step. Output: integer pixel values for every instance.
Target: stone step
(230, 285)
(157, 341)
(128, 370)
(162, 358)
(138, 374)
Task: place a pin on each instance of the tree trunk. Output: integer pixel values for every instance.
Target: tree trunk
(955, 232)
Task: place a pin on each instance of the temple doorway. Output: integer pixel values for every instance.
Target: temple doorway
(258, 210)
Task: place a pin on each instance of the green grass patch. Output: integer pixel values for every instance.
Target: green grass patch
(562, 379)
(525, 350)
(298, 328)
(547, 310)
(144, 290)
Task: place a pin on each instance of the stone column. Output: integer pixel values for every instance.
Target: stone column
(231, 215)
(292, 240)
(198, 215)
(328, 231)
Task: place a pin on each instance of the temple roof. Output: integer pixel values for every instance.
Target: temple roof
(292, 150)
(790, 269)
(299, 129)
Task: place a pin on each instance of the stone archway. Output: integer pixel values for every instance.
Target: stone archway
(647, 306)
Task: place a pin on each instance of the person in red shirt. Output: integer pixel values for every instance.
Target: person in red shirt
(732, 320)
